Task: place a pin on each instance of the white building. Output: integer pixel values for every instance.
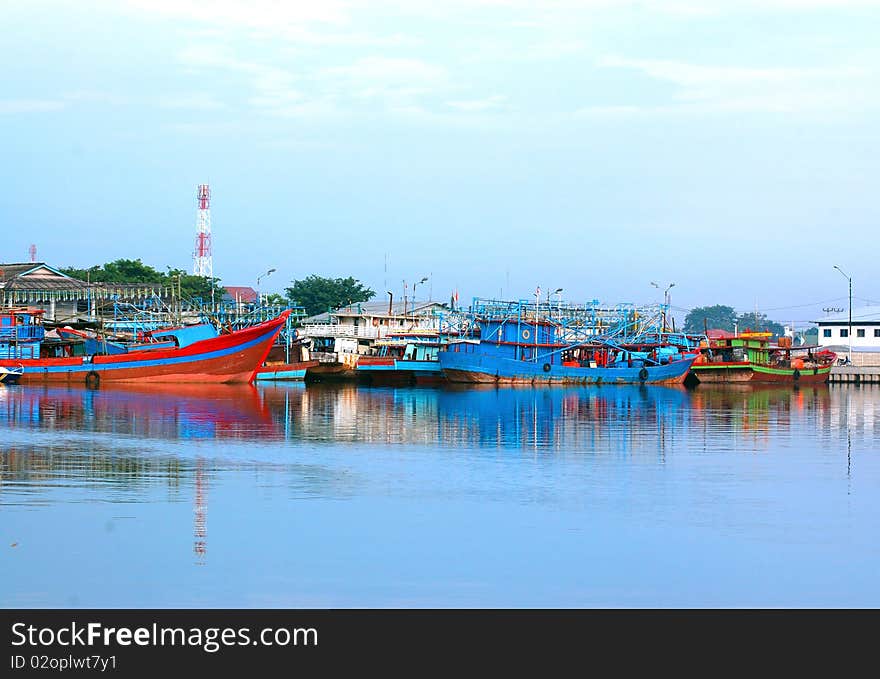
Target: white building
(352, 330)
(834, 333)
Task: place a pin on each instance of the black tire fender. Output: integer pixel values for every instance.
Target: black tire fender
(643, 374)
(546, 367)
(93, 379)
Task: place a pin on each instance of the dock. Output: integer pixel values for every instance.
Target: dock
(854, 375)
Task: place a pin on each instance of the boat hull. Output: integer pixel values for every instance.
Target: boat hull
(284, 371)
(759, 374)
(767, 375)
(390, 371)
(230, 358)
(722, 373)
(7, 377)
(473, 367)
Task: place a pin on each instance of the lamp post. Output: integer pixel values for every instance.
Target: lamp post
(259, 278)
(558, 293)
(849, 331)
(665, 300)
(424, 278)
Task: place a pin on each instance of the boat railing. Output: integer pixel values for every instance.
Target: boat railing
(22, 332)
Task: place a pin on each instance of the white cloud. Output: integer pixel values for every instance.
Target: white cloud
(771, 89)
(479, 105)
(272, 86)
(194, 102)
(299, 22)
(275, 15)
(387, 70)
(12, 106)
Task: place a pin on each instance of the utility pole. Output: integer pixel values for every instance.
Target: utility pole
(849, 331)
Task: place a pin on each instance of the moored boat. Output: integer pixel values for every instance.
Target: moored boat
(403, 358)
(10, 376)
(277, 371)
(518, 350)
(752, 357)
(220, 358)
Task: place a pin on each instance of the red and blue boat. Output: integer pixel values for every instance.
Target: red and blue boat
(193, 354)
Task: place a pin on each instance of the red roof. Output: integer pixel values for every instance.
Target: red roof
(243, 293)
(717, 334)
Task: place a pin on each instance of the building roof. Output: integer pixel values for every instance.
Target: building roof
(241, 293)
(866, 314)
(37, 276)
(377, 309)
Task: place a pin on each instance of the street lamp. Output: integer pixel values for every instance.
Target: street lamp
(259, 278)
(849, 331)
(558, 293)
(424, 278)
(665, 300)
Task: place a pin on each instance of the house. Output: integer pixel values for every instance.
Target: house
(239, 295)
(65, 299)
(864, 342)
(354, 328)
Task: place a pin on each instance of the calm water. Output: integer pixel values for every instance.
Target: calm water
(318, 496)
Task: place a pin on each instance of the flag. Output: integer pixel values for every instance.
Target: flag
(538, 291)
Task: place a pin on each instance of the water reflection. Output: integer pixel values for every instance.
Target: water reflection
(554, 419)
(157, 411)
(344, 492)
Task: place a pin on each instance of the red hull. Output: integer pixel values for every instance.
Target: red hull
(805, 377)
(231, 358)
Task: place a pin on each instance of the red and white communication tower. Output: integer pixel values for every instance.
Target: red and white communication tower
(203, 260)
(32, 251)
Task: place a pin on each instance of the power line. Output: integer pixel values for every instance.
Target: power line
(782, 308)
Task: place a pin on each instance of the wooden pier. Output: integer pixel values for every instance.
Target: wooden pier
(854, 375)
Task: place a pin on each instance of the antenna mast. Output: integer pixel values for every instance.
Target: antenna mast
(203, 259)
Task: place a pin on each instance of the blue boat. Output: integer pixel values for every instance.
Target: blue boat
(409, 358)
(10, 375)
(524, 344)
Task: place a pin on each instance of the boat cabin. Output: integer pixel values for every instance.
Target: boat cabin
(21, 332)
(409, 347)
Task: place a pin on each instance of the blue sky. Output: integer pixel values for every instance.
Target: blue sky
(492, 145)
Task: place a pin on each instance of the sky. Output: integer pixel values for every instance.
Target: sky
(492, 146)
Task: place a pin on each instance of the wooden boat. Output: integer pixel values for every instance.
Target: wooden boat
(752, 357)
(10, 376)
(279, 370)
(287, 360)
(511, 351)
(228, 358)
(403, 358)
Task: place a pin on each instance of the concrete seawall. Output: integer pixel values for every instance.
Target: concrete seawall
(854, 374)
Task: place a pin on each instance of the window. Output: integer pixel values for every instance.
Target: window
(860, 332)
(827, 332)
(844, 332)
(876, 332)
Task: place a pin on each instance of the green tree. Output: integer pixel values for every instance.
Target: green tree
(135, 271)
(118, 271)
(194, 286)
(274, 299)
(717, 317)
(759, 322)
(318, 294)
